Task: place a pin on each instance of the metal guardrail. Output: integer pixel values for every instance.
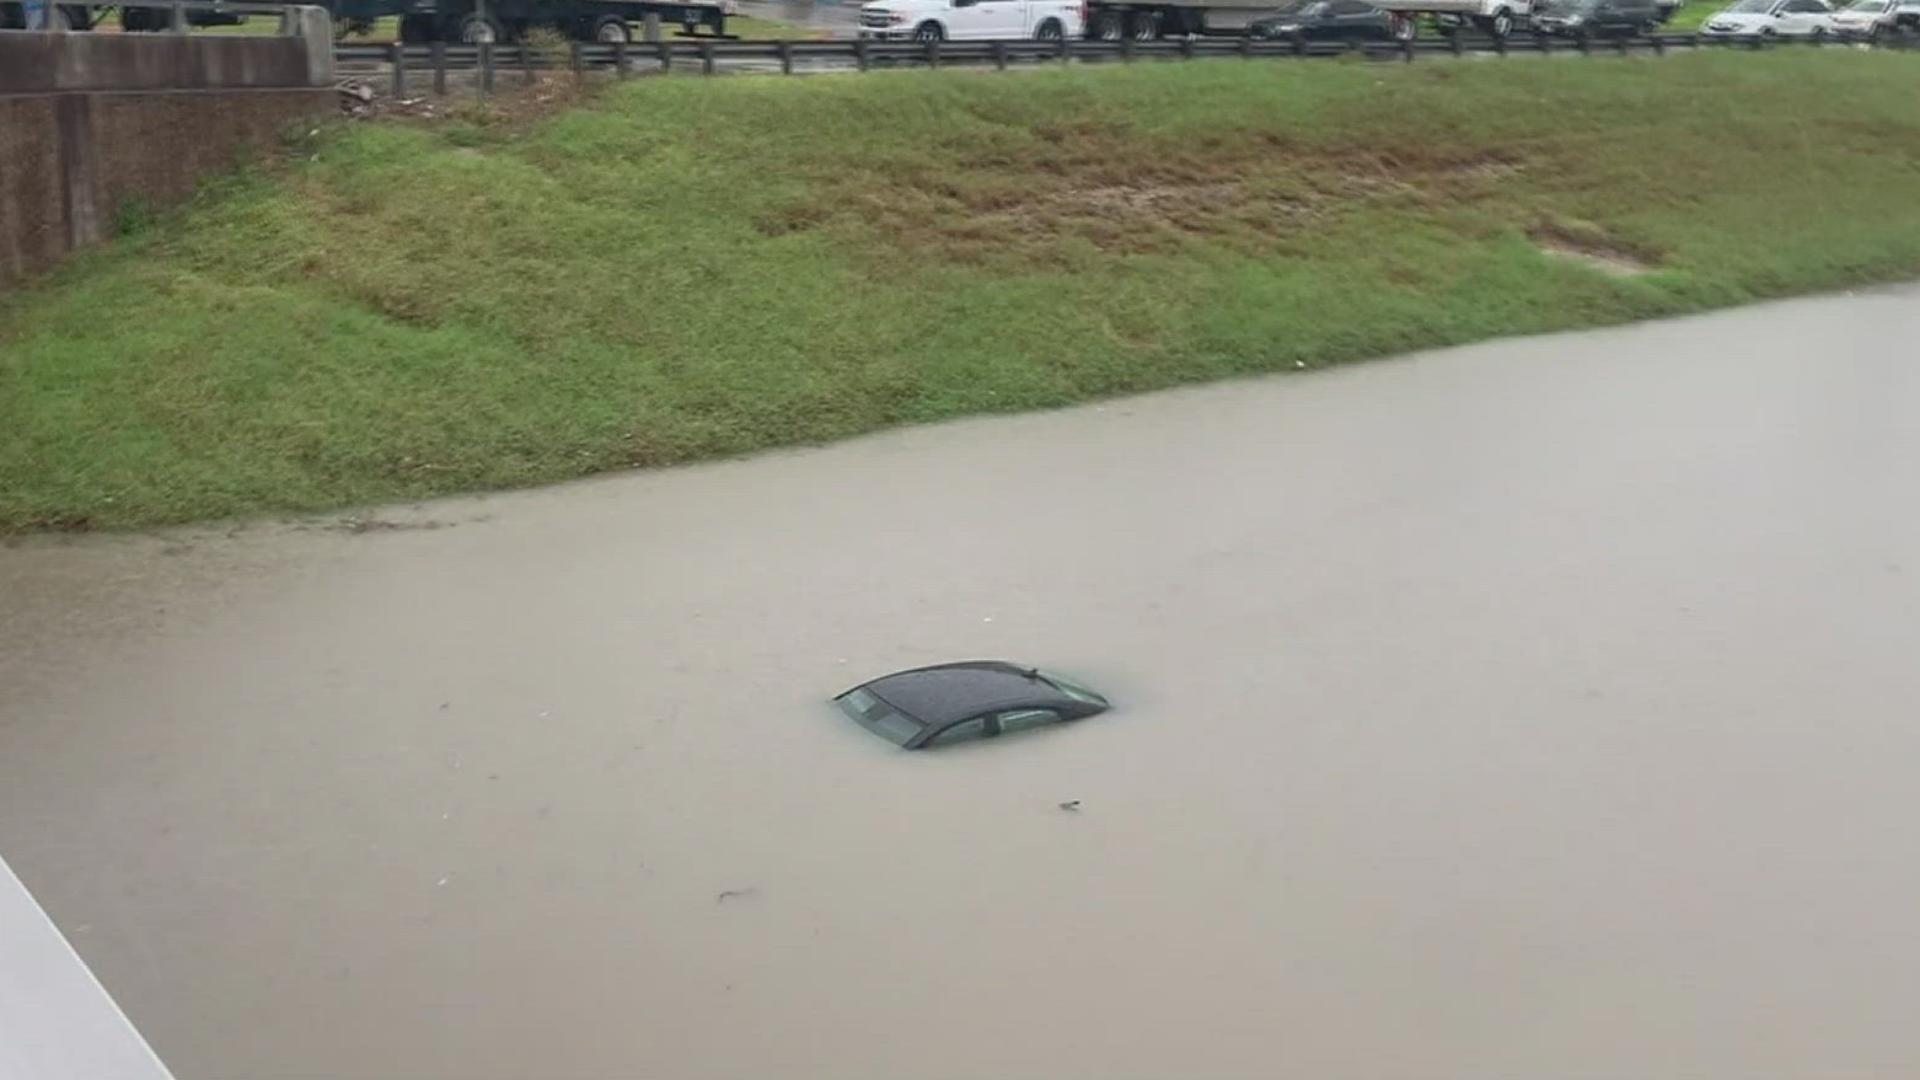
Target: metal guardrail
(709, 56)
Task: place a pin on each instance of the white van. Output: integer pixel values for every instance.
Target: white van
(972, 20)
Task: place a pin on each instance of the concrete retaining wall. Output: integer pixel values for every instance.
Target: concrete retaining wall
(90, 122)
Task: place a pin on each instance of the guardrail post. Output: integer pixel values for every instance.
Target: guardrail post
(1246, 48)
(1126, 48)
(486, 67)
(785, 49)
(1406, 51)
(860, 54)
(620, 60)
(1000, 55)
(665, 52)
(397, 54)
(1453, 42)
(1581, 43)
(576, 61)
(1620, 46)
(1500, 45)
(526, 63)
(1300, 48)
(1186, 47)
(440, 69)
(706, 58)
(1066, 48)
(176, 20)
(1659, 44)
(933, 53)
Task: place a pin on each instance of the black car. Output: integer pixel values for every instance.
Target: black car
(1598, 18)
(1330, 20)
(948, 703)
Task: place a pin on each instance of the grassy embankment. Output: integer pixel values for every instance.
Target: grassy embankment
(692, 268)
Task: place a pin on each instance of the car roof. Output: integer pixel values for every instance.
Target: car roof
(944, 693)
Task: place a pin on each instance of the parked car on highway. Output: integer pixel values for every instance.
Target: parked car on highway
(1329, 20)
(1772, 18)
(1870, 18)
(1598, 18)
(972, 20)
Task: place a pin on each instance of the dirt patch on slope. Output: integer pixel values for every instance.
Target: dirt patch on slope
(1102, 189)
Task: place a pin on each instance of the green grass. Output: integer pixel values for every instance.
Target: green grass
(1692, 15)
(702, 267)
(747, 28)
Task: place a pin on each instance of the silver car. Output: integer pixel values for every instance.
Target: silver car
(1771, 18)
(1871, 18)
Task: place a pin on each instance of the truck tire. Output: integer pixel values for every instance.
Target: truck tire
(929, 31)
(1143, 25)
(478, 29)
(1106, 26)
(1050, 30)
(612, 30)
(1500, 25)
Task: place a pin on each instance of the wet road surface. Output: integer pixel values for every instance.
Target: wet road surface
(1544, 709)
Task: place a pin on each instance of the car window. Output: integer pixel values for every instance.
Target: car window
(961, 732)
(1023, 719)
(879, 717)
(1350, 7)
(1073, 689)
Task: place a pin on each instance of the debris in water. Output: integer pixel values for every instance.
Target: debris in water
(725, 895)
(1070, 804)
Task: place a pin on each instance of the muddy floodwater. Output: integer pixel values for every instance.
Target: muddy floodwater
(1546, 709)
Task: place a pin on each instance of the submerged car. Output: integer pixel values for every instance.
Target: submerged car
(1329, 20)
(1771, 18)
(1598, 18)
(949, 703)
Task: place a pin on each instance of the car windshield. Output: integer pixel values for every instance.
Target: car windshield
(1752, 7)
(1299, 8)
(1072, 689)
(1872, 7)
(879, 717)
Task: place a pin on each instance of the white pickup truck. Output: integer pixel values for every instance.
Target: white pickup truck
(972, 20)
